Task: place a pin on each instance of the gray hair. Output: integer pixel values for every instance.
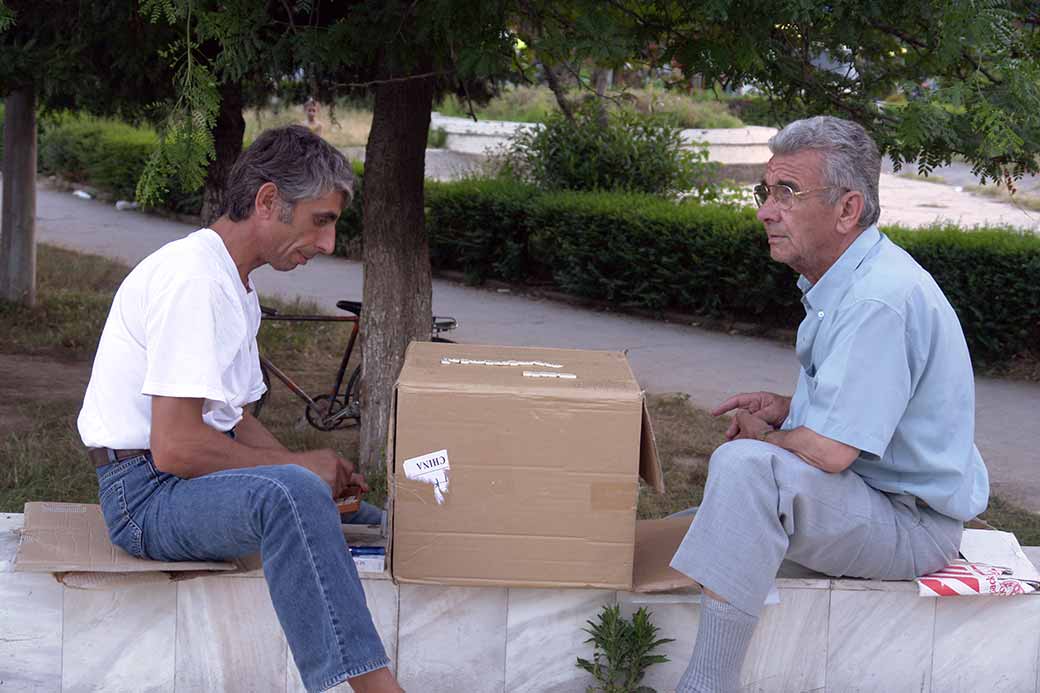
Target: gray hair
(301, 164)
(850, 157)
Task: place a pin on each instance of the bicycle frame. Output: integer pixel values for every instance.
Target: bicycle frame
(340, 373)
(341, 402)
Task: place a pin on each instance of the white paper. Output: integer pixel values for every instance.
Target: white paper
(549, 374)
(431, 468)
(998, 549)
(448, 361)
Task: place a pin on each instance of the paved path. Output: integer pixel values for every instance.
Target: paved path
(666, 357)
(913, 202)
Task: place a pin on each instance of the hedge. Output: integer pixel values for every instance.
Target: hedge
(649, 253)
(107, 154)
(990, 276)
(482, 228)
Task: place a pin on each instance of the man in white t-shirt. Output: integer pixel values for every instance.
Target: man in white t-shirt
(185, 472)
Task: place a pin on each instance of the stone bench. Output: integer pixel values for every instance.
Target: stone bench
(220, 634)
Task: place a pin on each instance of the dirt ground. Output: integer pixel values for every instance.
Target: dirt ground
(39, 380)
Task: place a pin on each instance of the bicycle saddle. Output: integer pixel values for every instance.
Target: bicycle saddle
(350, 306)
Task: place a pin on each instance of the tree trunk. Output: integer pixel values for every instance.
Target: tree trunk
(602, 79)
(396, 252)
(18, 225)
(227, 140)
(553, 80)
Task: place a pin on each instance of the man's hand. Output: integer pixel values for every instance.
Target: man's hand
(335, 471)
(746, 425)
(768, 406)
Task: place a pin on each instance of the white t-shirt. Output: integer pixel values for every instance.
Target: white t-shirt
(181, 325)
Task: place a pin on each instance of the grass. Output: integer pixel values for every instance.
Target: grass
(1001, 194)
(46, 461)
(74, 292)
(686, 437)
(1011, 518)
(521, 104)
(535, 104)
(914, 175)
(344, 126)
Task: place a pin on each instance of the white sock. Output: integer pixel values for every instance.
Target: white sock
(722, 642)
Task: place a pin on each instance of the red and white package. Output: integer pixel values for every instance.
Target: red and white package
(962, 578)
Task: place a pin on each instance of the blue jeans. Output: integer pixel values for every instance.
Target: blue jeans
(286, 513)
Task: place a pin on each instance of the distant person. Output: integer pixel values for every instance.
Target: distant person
(185, 472)
(311, 111)
(870, 469)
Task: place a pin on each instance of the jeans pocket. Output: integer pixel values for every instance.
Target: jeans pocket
(122, 530)
(112, 470)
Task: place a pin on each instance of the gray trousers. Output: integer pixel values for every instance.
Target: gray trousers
(763, 504)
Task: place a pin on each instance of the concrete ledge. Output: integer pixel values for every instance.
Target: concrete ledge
(741, 146)
(220, 633)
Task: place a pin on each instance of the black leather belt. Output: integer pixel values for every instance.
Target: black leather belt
(99, 456)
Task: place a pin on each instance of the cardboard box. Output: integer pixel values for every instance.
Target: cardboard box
(516, 466)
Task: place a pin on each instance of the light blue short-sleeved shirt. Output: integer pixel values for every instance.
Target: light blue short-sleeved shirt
(885, 369)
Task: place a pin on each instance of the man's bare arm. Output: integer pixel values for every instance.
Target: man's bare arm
(819, 451)
(251, 432)
(183, 445)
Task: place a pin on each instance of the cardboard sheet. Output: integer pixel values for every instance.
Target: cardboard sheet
(71, 537)
(70, 540)
(656, 542)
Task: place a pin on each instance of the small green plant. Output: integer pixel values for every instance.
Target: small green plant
(437, 138)
(622, 651)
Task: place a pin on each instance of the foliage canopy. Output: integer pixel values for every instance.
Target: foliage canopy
(970, 68)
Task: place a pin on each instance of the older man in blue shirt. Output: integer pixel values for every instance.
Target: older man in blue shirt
(871, 468)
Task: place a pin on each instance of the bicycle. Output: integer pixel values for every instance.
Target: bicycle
(328, 412)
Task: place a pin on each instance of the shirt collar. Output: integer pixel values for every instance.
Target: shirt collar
(831, 286)
(217, 244)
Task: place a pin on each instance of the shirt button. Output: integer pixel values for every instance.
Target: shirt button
(820, 314)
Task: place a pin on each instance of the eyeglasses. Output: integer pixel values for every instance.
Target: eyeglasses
(783, 195)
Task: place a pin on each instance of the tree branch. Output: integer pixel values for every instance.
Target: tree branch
(389, 80)
(907, 38)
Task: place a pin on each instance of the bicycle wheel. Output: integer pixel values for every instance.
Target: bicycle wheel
(352, 395)
(327, 416)
(259, 404)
